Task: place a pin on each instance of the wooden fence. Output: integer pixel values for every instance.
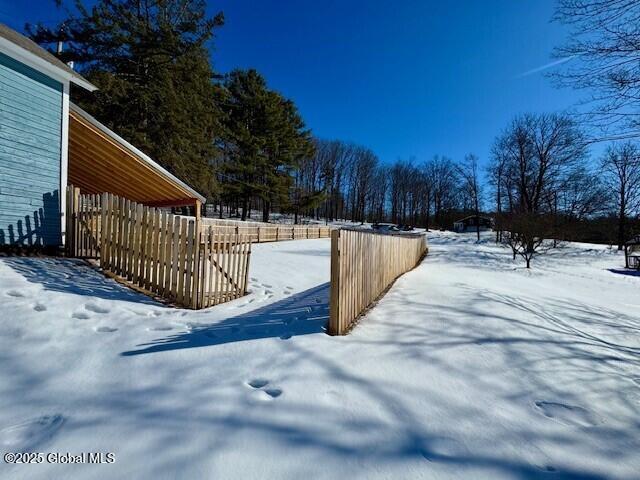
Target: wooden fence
(260, 232)
(173, 257)
(363, 265)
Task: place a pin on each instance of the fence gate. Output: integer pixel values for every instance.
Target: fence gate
(83, 224)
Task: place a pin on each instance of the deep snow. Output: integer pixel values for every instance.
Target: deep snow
(470, 367)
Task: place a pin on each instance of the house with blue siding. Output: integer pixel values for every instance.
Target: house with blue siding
(34, 136)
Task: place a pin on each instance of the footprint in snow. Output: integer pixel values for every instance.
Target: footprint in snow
(92, 307)
(15, 294)
(285, 336)
(267, 286)
(106, 329)
(265, 394)
(81, 316)
(272, 393)
(38, 307)
(258, 383)
(27, 435)
(244, 304)
(570, 415)
(253, 279)
(160, 328)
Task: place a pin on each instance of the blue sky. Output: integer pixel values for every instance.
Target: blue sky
(405, 78)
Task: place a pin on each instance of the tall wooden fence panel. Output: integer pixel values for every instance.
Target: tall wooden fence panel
(363, 265)
(260, 232)
(173, 257)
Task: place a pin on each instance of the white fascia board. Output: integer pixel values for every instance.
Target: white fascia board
(64, 161)
(40, 64)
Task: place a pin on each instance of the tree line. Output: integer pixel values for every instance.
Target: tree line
(344, 181)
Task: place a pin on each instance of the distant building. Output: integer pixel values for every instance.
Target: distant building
(470, 223)
(632, 253)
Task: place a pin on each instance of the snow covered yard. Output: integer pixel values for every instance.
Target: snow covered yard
(470, 367)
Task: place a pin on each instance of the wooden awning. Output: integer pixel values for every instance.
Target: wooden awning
(101, 161)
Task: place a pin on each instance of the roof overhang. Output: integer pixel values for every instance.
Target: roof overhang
(102, 161)
(30, 59)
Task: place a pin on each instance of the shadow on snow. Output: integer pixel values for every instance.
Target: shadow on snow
(73, 276)
(301, 314)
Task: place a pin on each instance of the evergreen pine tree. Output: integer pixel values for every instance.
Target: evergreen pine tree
(266, 138)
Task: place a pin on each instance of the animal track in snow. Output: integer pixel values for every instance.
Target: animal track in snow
(258, 383)
(15, 294)
(160, 328)
(29, 434)
(92, 307)
(567, 414)
(39, 307)
(273, 392)
(106, 329)
(81, 316)
(265, 394)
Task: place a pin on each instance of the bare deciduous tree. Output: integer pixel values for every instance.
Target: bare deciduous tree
(604, 54)
(621, 174)
(469, 173)
(536, 155)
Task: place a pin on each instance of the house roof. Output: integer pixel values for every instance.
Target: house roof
(634, 241)
(29, 48)
(102, 161)
(473, 216)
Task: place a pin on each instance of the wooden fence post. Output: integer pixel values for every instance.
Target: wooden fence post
(334, 289)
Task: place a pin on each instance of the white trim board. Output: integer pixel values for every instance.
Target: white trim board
(25, 56)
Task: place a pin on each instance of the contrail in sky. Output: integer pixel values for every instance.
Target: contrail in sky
(544, 67)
